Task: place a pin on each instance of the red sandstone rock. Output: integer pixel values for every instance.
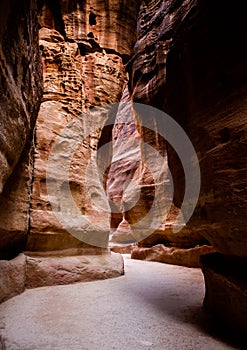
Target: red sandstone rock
(94, 23)
(20, 95)
(137, 183)
(202, 85)
(49, 271)
(86, 70)
(34, 270)
(12, 277)
(213, 113)
(191, 63)
(21, 81)
(123, 234)
(185, 257)
(122, 248)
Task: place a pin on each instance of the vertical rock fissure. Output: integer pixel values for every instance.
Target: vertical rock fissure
(2, 343)
(31, 181)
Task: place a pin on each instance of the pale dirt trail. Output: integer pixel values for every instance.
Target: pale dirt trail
(154, 306)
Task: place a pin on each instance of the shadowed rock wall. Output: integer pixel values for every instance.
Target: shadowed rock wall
(20, 95)
(190, 61)
(157, 25)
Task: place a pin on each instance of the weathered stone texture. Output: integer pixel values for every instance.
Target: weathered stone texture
(20, 95)
(182, 64)
(190, 61)
(12, 277)
(50, 271)
(189, 257)
(138, 184)
(123, 234)
(20, 82)
(157, 22)
(94, 24)
(209, 101)
(83, 49)
(15, 207)
(64, 267)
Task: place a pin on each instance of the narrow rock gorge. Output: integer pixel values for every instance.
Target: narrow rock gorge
(66, 155)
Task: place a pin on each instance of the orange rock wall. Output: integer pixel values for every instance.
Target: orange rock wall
(83, 51)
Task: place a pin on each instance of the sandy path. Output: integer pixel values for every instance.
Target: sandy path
(154, 306)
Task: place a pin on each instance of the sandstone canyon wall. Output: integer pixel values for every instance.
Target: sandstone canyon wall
(21, 92)
(190, 61)
(84, 47)
(157, 24)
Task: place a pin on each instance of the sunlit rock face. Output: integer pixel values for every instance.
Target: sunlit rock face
(138, 184)
(20, 95)
(94, 25)
(84, 47)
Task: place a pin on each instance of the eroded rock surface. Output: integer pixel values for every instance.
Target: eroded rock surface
(21, 80)
(20, 95)
(64, 267)
(50, 271)
(190, 61)
(136, 170)
(178, 70)
(94, 25)
(12, 277)
(209, 101)
(189, 257)
(83, 50)
(137, 179)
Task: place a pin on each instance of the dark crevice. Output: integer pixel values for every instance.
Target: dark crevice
(225, 135)
(2, 343)
(90, 35)
(104, 149)
(92, 19)
(55, 8)
(31, 181)
(91, 46)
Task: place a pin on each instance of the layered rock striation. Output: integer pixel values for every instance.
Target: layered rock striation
(139, 130)
(20, 96)
(84, 47)
(190, 61)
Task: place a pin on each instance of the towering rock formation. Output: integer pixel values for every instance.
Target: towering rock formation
(190, 61)
(20, 91)
(84, 47)
(157, 23)
(134, 174)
